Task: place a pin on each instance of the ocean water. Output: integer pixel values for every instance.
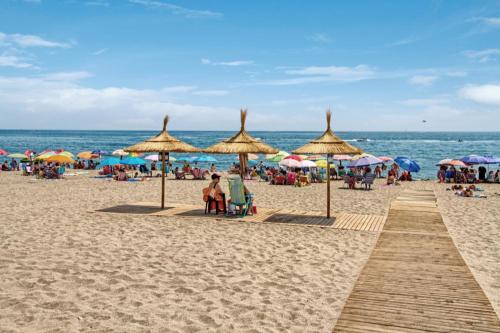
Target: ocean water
(427, 148)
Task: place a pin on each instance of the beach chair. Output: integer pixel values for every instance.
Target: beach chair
(238, 196)
(291, 178)
(368, 180)
(279, 180)
(347, 180)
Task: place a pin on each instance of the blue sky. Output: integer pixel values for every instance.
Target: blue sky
(123, 64)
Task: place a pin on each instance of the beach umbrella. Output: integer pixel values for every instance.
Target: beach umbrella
(364, 160)
(242, 144)
(322, 164)
(328, 143)
(277, 157)
(163, 143)
(99, 152)
(119, 152)
(307, 164)
(316, 157)
(293, 157)
(474, 159)
(16, 155)
(446, 161)
(289, 163)
(205, 159)
(154, 157)
(385, 159)
(67, 153)
(87, 155)
(60, 159)
(29, 152)
(44, 156)
(3, 152)
(407, 164)
(133, 161)
(492, 160)
(110, 161)
(252, 157)
(341, 157)
(457, 163)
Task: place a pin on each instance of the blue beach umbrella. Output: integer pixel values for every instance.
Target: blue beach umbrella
(407, 164)
(492, 160)
(133, 161)
(110, 161)
(205, 158)
(474, 159)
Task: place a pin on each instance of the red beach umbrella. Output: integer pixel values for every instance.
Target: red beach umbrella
(3, 152)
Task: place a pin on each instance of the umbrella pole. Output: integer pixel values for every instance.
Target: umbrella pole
(327, 188)
(162, 180)
(243, 165)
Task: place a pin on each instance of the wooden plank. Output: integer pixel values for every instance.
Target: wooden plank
(415, 279)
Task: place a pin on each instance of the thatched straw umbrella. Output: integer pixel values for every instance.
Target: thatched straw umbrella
(242, 144)
(328, 143)
(163, 143)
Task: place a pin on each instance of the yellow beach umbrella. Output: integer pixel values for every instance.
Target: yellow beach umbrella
(67, 153)
(322, 164)
(87, 155)
(60, 159)
(328, 143)
(45, 156)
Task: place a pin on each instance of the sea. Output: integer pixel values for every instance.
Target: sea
(426, 148)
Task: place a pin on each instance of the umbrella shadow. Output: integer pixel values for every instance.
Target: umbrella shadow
(300, 219)
(132, 209)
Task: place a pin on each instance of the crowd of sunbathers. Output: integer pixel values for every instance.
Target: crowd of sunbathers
(467, 175)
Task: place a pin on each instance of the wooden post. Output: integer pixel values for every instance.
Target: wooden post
(328, 186)
(243, 165)
(163, 180)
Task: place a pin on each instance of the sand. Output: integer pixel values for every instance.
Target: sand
(66, 268)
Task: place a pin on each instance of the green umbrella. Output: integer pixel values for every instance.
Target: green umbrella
(16, 155)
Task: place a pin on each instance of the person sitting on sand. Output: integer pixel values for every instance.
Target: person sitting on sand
(491, 177)
(122, 175)
(391, 177)
(497, 176)
(213, 168)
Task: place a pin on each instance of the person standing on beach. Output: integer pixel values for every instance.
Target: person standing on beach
(482, 173)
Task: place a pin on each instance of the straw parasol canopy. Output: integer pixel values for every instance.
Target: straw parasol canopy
(163, 143)
(242, 144)
(328, 143)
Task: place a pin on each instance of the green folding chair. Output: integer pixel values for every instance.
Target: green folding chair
(238, 196)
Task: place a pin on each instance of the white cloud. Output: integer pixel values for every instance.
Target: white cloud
(483, 55)
(177, 10)
(30, 41)
(484, 94)
(314, 74)
(67, 76)
(211, 92)
(99, 52)
(233, 63)
(320, 38)
(423, 80)
(14, 61)
(404, 41)
(489, 21)
(60, 96)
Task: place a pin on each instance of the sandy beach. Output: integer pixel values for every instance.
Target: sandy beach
(66, 268)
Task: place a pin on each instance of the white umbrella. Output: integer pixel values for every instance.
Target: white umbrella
(307, 164)
(119, 152)
(290, 163)
(156, 157)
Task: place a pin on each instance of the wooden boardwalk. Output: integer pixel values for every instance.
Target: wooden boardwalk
(415, 279)
(370, 223)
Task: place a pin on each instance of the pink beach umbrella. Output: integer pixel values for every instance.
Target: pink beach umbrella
(342, 158)
(290, 163)
(293, 157)
(3, 152)
(386, 159)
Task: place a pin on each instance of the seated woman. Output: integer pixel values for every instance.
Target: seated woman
(214, 196)
(122, 175)
(178, 174)
(491, 177)
(213, 168)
